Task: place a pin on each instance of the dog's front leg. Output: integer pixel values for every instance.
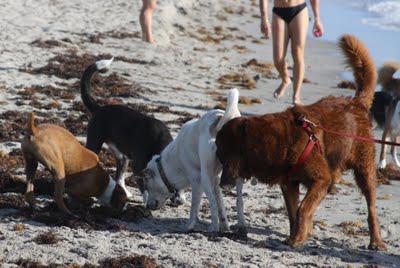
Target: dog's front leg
(316, 192)
(290, 191)
(197, 192)
(208, 188)
(223, 219)
(122, 166)
(30, 170)
(394, 153)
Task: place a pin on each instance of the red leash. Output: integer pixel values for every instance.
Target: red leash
(306, 125)
(348, 135)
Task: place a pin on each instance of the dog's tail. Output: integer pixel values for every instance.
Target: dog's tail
(358, 58)
(87, 99)
(31, 128)
(231, 110)
(386, 72)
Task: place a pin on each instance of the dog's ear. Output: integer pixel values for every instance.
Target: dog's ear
(144, 175)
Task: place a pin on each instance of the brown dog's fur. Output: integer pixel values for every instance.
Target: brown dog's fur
(268, 146)
(72, 165)
(386, 80)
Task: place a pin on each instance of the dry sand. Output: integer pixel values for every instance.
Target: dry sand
(180, 72)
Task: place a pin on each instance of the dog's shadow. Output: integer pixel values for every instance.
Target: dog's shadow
(334, 249)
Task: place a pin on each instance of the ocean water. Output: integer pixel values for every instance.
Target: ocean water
(375, 22)
(384, 14)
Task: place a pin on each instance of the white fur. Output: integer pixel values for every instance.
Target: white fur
(190, 160)
(396, 75)
(393, 133)
(121, 180)
(105, 198)
(103, 64)
(121, 183)
(382, 163)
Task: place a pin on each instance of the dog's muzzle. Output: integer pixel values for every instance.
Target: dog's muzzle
(153, 205)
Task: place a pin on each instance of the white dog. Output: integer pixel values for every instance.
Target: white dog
(190, 160)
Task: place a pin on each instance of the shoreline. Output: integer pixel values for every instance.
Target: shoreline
(174, 80)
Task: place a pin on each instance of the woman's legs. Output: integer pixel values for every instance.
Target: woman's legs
(280, 38)
(146, 18)
(298, 34)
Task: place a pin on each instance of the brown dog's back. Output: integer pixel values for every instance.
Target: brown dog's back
(50, 144)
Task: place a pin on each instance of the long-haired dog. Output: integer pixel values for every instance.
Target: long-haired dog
(269, 146)
(385, 109)
(190, 161)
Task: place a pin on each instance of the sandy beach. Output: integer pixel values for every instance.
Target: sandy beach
(45, 46)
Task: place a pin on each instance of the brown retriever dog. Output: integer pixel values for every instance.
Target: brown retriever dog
(268, 146)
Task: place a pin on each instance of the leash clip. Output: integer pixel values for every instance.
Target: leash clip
(313, 137)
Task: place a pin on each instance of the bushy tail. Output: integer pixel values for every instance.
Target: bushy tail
(358, 58)
(231, 110)
(87, 99)
(31, 128)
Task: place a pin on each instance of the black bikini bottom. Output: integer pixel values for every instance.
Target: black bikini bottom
(288, 13)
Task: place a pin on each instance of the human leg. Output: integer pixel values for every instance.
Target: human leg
(280, 41)
(146, 19)
(298, 34)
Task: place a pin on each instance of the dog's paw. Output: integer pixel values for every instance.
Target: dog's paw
(294, 243)
(223, 227)
(382, 164)
(213, 228)
(190, 226)
(397, 162)
(377, 246)
(178, 200)
(239, 228)
(30, 199)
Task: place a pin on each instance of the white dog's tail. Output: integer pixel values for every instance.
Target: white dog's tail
(231, 110)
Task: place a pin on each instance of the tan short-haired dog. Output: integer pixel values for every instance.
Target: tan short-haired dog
(73, 166)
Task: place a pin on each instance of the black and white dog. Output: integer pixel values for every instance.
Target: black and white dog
(131, 135)
(385, 110)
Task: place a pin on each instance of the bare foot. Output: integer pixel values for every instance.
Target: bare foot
(296, 100)
(278, 93)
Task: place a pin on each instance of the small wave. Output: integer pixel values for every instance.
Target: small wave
(387, 13)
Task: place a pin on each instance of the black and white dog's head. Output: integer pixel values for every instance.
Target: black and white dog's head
(383, 106)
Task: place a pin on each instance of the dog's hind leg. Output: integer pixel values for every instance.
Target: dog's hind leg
(197, 192)
(364, 174)
(30, 169)
(212, 199)
(223, 219)
(94, 142)
(291, 194)
(59, 187)
(394, 153)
